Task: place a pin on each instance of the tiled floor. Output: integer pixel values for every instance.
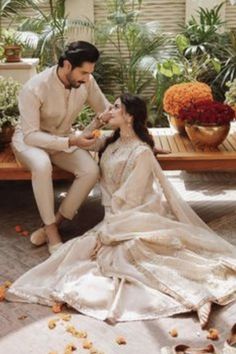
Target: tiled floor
(212, 196)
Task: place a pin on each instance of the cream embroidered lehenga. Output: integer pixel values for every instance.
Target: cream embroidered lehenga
(150, 257)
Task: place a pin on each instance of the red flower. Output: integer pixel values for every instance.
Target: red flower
(207, 112)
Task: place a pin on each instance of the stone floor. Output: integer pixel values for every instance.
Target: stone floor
(212, 196)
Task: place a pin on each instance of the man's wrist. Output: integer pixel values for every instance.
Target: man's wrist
(72, 140)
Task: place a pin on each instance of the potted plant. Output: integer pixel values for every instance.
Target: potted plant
(12, 45)
(230, 95)
(9, 112)
(207, 122)
(181, 95)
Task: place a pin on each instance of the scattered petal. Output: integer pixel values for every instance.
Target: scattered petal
(76, 333)
(65, 317)
(7, 284)
(2, 293)
(25, 233)
(18, 228)
(174, 333)
(71, 329)
(121, 340)
(70, 348)
(87, 344)
(57, 307)
(52, 323)
(93, 351)
(213, 334)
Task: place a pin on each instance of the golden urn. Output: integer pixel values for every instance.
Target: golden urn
(207, 135)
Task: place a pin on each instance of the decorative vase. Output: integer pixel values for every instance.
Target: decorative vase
(178, 124)
(6, 136)
(207, 135)
(12, 53)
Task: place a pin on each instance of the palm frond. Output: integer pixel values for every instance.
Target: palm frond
(30, 39)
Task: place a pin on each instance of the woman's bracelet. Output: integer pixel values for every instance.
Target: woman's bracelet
(99, 118)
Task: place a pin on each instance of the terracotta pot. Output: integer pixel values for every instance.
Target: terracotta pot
(178, 124)
(12, 53)
(6, 136)
(207, 135)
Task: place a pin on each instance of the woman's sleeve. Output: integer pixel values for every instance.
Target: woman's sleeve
(133, 190)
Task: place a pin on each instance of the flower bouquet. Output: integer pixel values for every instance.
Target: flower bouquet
(207, 122)
(207, 112)
(182, 95)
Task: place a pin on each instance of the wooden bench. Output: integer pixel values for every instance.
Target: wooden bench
(183, 156)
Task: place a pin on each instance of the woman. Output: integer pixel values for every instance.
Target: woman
(150, 246)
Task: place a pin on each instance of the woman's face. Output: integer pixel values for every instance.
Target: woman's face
(118, 115)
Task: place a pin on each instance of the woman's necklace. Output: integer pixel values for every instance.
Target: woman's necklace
(124, 141)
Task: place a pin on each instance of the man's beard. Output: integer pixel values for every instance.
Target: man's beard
(74, 84)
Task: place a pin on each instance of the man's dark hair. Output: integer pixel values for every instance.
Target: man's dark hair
(79, 52)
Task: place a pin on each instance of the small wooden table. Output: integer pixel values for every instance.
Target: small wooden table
(183, 156)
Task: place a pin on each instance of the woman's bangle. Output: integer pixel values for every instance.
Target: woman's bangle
(99, 118)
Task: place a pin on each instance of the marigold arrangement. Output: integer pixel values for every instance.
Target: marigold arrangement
(181, 95)
(207, 113)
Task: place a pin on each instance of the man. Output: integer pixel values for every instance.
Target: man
(49, 104)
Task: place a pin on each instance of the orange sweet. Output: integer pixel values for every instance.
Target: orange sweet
(96, 133)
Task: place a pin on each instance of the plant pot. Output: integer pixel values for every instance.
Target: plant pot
(6, 136)
(207, 135)
(178, 124)
(12, 53)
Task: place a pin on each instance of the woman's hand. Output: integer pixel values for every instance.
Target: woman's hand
(105, 116)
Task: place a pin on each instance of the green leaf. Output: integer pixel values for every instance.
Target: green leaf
(182, 43)
(216, 64)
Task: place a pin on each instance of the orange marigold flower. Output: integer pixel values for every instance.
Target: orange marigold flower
(57, 307)
(2, 293)
(181, 95)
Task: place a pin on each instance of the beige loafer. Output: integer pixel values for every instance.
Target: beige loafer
(53, 248)
(230, 344)
(38, 237)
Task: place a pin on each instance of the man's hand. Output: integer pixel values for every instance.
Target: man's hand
(82, 141)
